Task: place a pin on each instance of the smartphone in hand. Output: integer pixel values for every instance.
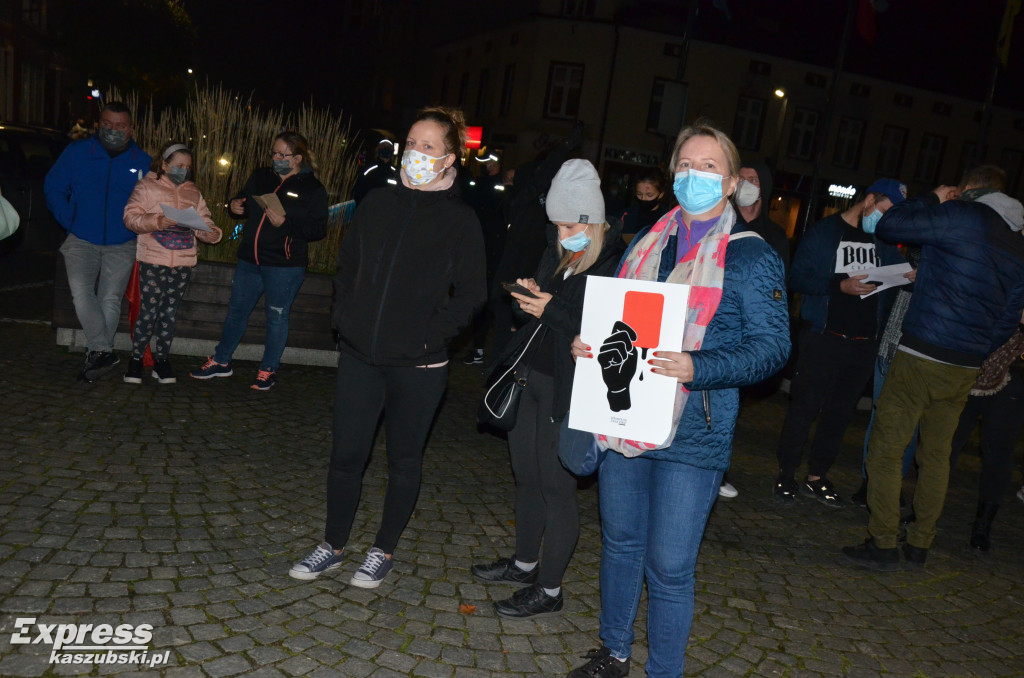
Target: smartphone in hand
(518, 289)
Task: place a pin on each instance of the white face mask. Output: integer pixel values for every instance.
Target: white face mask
(747, 193)
(419, 167)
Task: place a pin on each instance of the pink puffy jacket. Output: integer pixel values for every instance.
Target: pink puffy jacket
(142, 213)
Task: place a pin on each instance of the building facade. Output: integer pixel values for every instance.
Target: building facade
(527, 82)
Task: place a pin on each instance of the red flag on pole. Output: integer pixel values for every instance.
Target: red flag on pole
(133, 293)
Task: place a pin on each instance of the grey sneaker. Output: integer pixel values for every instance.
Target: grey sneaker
(374, 569)
(322, 559)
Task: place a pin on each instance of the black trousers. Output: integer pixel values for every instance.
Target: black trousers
(1002, 416)
(409, 397)
(830, 376)
(546, 507)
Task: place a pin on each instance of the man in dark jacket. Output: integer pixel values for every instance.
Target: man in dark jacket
(753, 202)
(87, 190)
(839, 338)
(967, 301)
(378, 174)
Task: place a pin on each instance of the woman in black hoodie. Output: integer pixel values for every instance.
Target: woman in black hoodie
(545, 492)
(410, 275)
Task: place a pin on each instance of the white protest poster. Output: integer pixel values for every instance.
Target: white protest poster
(615, 393)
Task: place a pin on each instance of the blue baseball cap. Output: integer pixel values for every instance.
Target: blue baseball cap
(890, 188)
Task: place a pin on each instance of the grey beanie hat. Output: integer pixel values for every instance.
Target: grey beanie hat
(575, 194)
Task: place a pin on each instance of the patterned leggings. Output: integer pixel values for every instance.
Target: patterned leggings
(162, 289)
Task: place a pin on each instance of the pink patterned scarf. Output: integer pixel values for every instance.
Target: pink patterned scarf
(703, 269)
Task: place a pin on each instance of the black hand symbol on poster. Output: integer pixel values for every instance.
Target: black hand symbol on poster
(618, 358)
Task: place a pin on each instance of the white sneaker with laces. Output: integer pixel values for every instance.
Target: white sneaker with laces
(727, 491)
(374, 569)
(322, 559)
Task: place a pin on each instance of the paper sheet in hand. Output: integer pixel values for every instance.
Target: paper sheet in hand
(656, 313)
(888, 276)
(187, 217)
(270, 201)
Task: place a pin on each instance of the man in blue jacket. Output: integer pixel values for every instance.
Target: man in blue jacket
(967, 301)
(839, 337)
(87, 190)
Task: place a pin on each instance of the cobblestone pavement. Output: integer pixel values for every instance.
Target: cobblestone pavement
(183, 507)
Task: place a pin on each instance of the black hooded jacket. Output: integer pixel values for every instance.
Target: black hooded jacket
(410, 276)
(772, 233)
(304, 200)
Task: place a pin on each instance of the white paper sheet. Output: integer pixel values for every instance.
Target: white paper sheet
(187, 217)
(651, 396)
(889, 276)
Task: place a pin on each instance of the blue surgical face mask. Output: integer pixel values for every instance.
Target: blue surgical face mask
(696, 191)
(577, 242)
(870, 222)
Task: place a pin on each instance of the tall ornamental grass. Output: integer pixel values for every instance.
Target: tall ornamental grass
(230, 137)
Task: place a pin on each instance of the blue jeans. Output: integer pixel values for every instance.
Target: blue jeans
(908, 454)
(653, 515)
(280, 284)
(98, 276)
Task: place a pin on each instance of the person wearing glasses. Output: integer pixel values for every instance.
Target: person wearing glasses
(272, 256)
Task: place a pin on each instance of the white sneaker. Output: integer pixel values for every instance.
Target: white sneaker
(727, 491)
(374, 569)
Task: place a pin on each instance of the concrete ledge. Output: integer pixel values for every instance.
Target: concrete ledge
(74, 339)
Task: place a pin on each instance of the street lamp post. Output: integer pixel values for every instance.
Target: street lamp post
(781, 95)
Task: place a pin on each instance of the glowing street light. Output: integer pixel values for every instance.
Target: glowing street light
(780, 93)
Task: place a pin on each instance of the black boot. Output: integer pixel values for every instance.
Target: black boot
(983, 526)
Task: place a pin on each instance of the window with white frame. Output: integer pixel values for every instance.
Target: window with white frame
(803, 134)
(565, 88)
(849, 138)
(890, 151)
(929, 158)
(749, 122)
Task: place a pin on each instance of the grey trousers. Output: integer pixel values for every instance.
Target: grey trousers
(98, 276)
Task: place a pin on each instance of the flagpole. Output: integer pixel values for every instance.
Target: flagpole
(986, 111)
(829, 111)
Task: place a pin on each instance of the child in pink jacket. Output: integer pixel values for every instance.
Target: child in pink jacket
(166, 252)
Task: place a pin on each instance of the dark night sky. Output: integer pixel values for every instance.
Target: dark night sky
(293, 51)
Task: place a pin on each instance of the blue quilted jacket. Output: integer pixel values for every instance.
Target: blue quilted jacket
(746, 342)
(970, 283)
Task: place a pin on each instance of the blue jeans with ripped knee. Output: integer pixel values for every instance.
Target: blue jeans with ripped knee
(280, 284)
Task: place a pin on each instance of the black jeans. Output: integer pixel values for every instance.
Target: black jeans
(546, 507)
(1002, 416)
(831, 373)
(409, 397)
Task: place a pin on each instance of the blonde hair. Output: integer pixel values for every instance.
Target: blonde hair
(704, 128)
(590, 254)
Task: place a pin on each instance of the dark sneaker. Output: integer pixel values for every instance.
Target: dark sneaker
(529, 602)
(163, 374)
(822, 490)
(98, 363)
(914, 557)
(860, 497)
(503, 570)
(374, 569)
(134, 373)
(474, 358)
(264, 380)
(601, 665)
(870, 556)
(211, 368)
(322, 559)
(785, 489)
